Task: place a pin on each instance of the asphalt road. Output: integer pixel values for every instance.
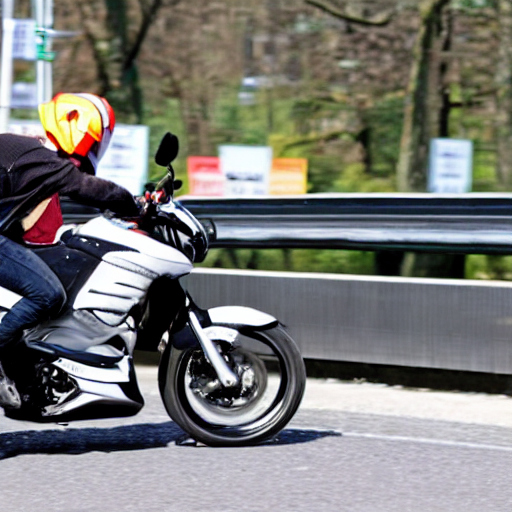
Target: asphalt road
(352, 447)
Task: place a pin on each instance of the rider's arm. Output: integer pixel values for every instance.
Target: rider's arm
(103, 194)
(38, 173)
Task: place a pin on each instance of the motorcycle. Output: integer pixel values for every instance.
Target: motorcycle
(228, 376)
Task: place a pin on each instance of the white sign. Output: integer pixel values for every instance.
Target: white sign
(24, 95)
(24, 45)
(246, 169)
(451, 166)
(126, 160)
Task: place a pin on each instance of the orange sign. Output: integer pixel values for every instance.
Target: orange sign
(204, 176)
(288, 176)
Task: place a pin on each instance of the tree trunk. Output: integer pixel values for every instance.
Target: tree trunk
(503, 80)
(440, 265)
(422, 106)
(426, 116)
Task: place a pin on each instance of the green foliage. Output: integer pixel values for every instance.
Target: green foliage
(484, 169)
(324, 131)
(297, 260)
(480, 266)
(323, 171)
(355, 179)
(467, 125)
(333, 261)
(235, 123)
(473, 4)
(384, 121)
(164, 118)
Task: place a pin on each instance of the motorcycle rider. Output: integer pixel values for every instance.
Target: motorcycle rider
(32, 176)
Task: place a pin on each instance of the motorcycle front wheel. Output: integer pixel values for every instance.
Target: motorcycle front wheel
(272, 380)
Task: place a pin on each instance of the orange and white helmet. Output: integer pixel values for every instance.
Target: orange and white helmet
(79, 124)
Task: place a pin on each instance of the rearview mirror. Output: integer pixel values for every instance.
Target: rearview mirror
(168, 150)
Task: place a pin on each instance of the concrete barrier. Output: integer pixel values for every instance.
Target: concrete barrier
(426, 323)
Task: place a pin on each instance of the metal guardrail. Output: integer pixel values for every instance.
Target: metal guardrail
(446, 324)
(466, 223)
(75, 213)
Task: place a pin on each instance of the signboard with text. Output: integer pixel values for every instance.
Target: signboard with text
(24, 95)
(450, 166)
(204, 176)
(126, 159)
(246, 169)
(243, 175)
(288, 176)
(24, 44)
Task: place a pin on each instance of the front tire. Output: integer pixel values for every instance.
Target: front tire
(272, 382)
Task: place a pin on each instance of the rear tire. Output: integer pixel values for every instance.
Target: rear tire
(250, 414)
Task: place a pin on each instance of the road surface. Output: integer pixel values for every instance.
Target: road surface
(354, 447)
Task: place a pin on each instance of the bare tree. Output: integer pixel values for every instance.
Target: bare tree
(348, 13)
(116, 31)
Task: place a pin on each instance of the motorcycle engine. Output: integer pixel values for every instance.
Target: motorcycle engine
(53, 385)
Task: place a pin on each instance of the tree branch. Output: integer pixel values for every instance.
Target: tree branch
(93, 34)
(148, 15)
(344, 14)
(320, 137)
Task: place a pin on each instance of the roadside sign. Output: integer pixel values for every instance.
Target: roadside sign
(24, 95)
(204, 176)
(450, 166)
(24, 41)
(245, 173)
(126, 159)
(288, 176)
(246, 169)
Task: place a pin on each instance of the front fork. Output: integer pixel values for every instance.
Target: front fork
(231, 319)
(226, 376)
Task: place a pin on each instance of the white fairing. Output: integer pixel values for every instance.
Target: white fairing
(239, 315)
(97, 385)
(113, 289)
(111, 231)
(122, 279)
(119, 373)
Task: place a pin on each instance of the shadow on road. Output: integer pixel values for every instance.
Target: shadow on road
(84, 440)
(124, 438)
(296, 436)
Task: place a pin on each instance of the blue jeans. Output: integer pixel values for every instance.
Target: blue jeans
(24, 273)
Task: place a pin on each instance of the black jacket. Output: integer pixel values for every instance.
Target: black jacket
(30, 173)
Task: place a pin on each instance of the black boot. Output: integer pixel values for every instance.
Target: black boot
(9, 396)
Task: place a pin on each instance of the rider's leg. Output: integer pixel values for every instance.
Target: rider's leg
(24, 273)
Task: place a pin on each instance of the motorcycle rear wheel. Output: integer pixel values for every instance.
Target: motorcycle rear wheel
(272, 382)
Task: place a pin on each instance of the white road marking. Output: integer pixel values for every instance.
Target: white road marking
(424, 440)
